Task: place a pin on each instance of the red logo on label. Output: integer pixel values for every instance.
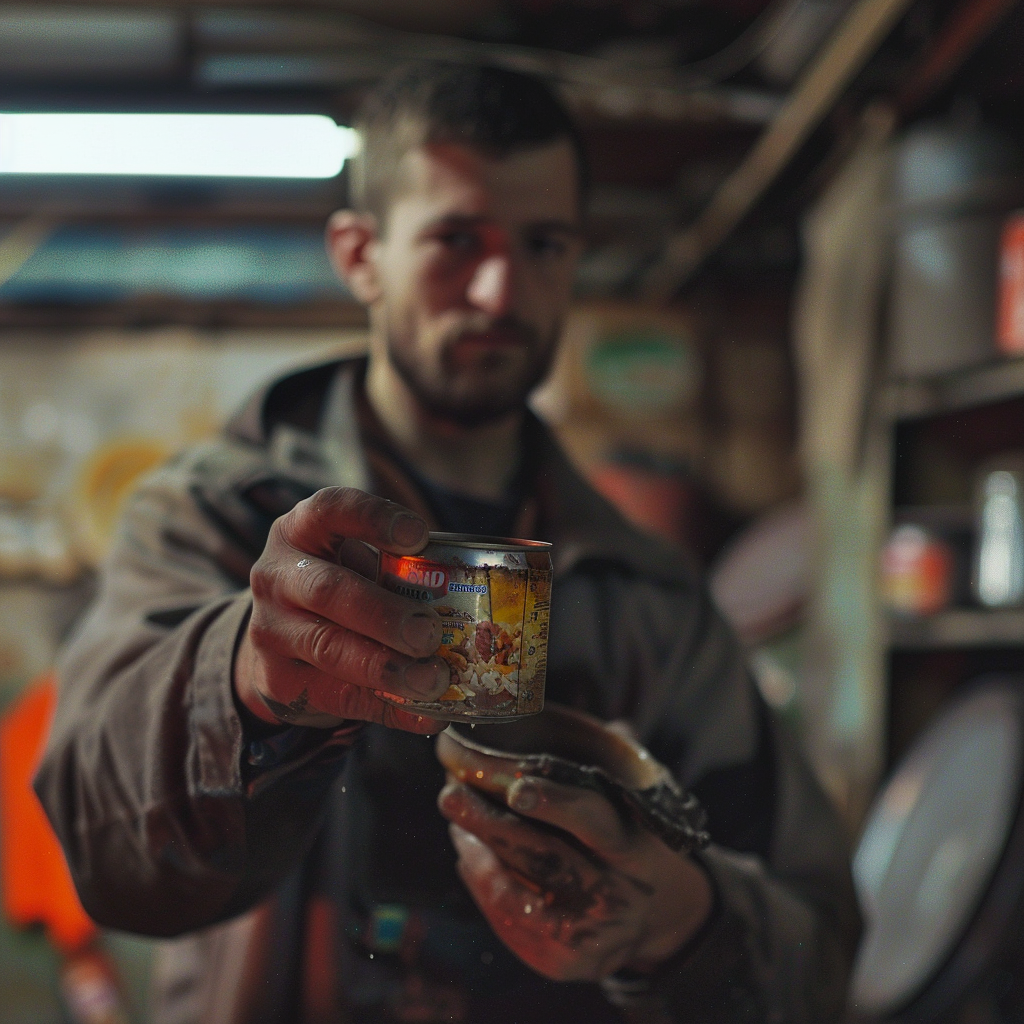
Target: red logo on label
(427, 576)
(414, 577)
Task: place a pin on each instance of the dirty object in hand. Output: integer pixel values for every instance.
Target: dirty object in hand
(494, 597)
(575, 749)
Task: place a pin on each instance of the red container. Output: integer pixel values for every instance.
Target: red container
(1010, 320)
(917, 572)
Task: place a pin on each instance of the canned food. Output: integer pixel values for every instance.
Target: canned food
(494, 599)
(917, 572)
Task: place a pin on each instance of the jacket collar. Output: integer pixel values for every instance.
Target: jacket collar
(581, 525)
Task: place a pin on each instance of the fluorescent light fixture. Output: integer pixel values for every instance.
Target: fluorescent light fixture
(175, 145)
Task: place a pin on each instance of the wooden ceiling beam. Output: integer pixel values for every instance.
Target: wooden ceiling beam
(968, 27)
(852, 44)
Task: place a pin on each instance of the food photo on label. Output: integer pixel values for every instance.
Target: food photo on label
(494, 597)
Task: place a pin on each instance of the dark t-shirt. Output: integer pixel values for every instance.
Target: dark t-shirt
(414, 943)
(461, 513)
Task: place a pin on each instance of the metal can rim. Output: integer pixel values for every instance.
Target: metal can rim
(470, 540)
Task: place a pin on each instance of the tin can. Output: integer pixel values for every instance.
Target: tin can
(917, 572)
(494, 598)
(1010, 321)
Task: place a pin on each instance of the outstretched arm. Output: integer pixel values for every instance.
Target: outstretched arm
(154, 784)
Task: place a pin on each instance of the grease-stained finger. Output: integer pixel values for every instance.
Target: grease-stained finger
(321, 523)
(583, 813)
(543, 859)
(342, 596)
(345, 655)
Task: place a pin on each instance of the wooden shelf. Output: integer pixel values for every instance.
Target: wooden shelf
(942, 518)
(964, 389)
(959, 628)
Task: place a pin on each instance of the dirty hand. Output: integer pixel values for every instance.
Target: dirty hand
(323, 637)
(579, 901)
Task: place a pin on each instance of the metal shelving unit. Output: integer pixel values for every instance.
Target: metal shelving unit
(959, 628)
(951, 423)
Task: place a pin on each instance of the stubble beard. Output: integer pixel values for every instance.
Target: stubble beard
(444, 397)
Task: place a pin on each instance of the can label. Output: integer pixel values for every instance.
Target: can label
(1010, 319)
(917, 572)
(494, 607)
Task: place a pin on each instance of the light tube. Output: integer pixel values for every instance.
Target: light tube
(175, 145)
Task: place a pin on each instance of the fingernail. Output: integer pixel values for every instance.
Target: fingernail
(523, 796)
(408, 530)
(459, 835)
(422, 632)
(426, 678)
(448, 798)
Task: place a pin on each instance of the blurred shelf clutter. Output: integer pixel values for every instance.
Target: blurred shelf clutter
(953, 187)
(951, 413)
(956, 482)
(682, 417)
(83, 415)
(912, 433)
(959, 628)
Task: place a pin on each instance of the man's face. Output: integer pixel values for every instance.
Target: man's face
(476, 264)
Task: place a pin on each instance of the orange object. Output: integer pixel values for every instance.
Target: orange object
(917, 572)
(656, 502)
(36, 884)
(104, 483)
(1010, 325)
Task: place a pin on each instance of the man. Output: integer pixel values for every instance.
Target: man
(220, 752)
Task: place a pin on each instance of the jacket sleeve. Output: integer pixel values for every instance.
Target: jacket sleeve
(143, 775)
(780, 942)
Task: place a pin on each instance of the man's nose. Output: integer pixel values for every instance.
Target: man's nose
(490, 288)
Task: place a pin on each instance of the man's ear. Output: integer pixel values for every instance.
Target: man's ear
(349, 239)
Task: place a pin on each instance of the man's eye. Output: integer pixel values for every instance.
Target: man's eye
(544, 246)
(460, 241)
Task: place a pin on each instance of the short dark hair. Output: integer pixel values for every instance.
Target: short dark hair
(489, 108)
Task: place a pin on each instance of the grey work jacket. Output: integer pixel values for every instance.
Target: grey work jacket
(179, 821)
